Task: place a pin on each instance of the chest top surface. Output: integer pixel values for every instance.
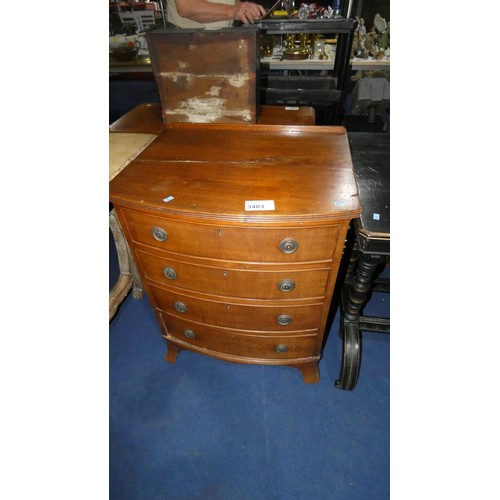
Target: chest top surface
(213, 171)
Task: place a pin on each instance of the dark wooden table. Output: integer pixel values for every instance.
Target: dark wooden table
(370, 250)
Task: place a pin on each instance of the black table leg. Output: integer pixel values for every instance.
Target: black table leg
(354, 296)
(370, 154)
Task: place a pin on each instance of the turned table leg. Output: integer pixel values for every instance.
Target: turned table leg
(355, 295)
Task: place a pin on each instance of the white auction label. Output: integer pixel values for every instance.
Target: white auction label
(252, 205)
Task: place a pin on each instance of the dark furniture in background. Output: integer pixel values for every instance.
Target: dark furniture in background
(326, 92)
(370, 252)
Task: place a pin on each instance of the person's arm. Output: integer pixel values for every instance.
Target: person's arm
(203, 11)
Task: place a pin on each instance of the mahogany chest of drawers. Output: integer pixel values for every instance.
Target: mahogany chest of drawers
(237, 232)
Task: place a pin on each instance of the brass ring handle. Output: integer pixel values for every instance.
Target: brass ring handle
(169, 273)
(286, 285)
(159, 234)
(284, 319)
(288, 245)
(281, 348)
(189, 334)
(180, 307)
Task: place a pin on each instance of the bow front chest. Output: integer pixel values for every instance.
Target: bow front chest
(237, 232)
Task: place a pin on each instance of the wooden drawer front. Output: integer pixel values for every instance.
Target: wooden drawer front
(238, 344)
(255, 317)
(249, 244)
(255, 284)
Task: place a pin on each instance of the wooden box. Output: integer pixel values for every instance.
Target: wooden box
(206, 76)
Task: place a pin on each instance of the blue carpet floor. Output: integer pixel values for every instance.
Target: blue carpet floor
(208, 429)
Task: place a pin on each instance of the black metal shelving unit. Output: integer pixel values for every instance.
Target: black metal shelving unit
(325, 92)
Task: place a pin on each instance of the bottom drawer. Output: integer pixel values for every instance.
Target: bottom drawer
(271, 347)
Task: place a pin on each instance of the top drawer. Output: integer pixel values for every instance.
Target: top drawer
(240, 243)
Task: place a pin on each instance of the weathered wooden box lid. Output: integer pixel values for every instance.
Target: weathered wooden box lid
(206, 76)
